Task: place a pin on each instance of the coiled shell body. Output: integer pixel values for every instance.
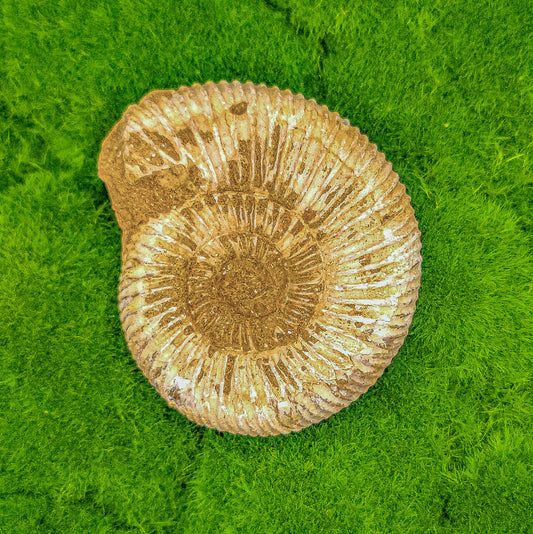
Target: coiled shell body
(271, 257)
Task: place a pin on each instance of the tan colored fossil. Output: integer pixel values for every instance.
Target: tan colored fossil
(271, 257)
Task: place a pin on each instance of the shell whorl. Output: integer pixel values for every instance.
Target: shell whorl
(271, 257)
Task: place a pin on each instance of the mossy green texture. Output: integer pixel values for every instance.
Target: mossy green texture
(441, 444)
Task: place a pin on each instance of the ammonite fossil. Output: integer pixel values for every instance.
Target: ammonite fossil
(271, 257)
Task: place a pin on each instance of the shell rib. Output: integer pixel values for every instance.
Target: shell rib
(271, 257)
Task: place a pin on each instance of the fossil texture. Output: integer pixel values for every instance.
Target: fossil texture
(271, 257)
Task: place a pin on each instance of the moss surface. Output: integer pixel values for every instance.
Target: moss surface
(440, 444)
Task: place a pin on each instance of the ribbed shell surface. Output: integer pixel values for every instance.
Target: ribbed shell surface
(271, 257)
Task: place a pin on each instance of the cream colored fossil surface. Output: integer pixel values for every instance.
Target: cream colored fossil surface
(271, 257)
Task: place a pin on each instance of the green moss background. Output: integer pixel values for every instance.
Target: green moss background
(441, 444)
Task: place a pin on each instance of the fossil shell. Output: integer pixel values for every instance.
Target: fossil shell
(271, 257)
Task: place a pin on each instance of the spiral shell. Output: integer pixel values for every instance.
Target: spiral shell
(271, 257)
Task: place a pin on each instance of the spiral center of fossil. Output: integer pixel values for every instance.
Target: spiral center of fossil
(254, 288)
(247, 293)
